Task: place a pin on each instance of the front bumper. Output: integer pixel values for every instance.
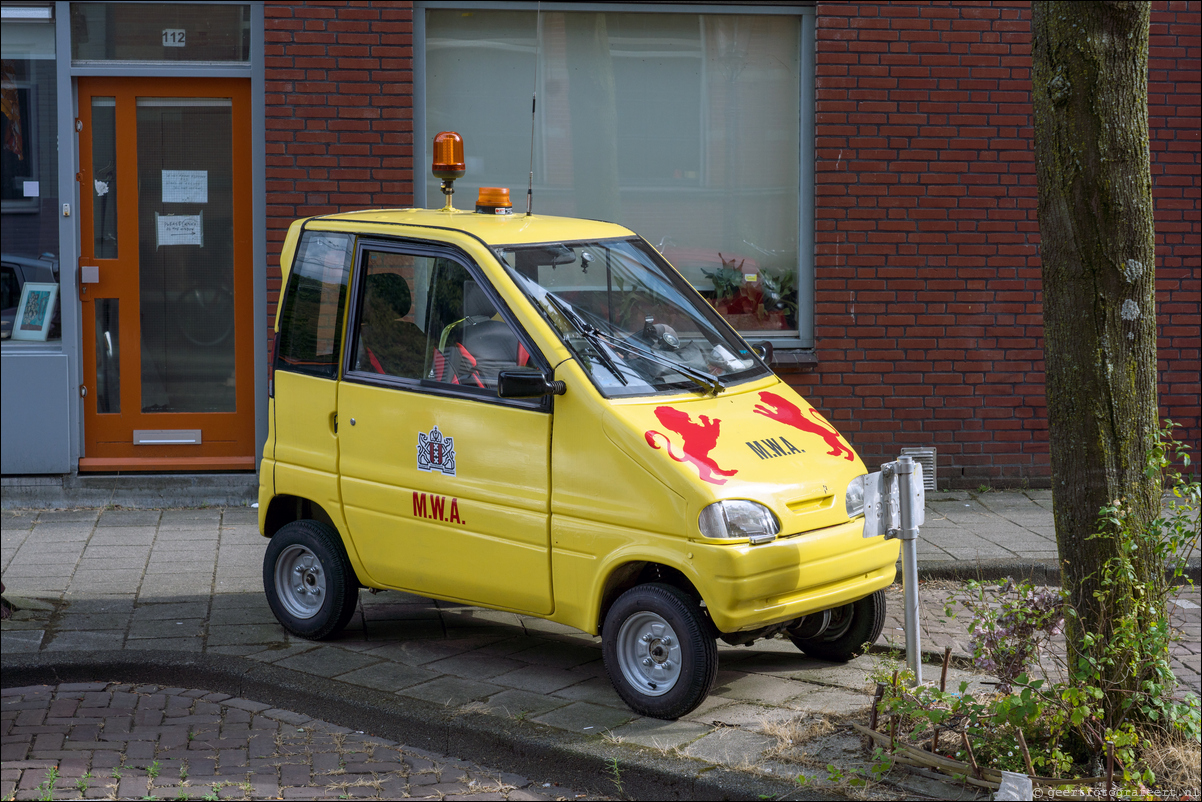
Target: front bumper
(746, 587)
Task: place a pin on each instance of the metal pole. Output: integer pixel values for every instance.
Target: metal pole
(909, 539)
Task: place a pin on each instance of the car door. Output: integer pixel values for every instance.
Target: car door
(445, 487)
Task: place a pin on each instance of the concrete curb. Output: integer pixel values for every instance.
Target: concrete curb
(132, 491)
(1040, 572)
(522, 747)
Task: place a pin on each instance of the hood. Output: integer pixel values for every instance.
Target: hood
(764, 443)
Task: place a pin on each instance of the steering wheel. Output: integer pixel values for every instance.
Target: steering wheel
(660, 336)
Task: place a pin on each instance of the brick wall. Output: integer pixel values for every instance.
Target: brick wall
(928, 316)
(339, 106)
(928, 279)
(1174, 76)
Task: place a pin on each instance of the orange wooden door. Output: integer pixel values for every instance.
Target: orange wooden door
(166, 274)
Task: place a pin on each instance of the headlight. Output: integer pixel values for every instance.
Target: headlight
(739, 519)
(855, 496)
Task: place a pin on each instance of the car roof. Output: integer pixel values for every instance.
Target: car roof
(492, 229)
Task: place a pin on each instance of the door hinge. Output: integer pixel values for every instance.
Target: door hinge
(83, 391)
(79, 178)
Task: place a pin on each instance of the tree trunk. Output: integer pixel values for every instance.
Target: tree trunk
(1089, 91)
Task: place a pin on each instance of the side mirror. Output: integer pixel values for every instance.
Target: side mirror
(763, 350)
(527, 384)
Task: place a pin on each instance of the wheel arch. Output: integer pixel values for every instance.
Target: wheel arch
(632, 573)
(285, 508)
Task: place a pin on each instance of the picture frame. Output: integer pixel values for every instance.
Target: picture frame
(36, 311)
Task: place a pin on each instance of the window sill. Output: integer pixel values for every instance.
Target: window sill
(31, 347)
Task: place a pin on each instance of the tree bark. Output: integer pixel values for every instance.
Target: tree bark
(1089, 92)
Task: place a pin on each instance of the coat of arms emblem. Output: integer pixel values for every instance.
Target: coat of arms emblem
(435, 452)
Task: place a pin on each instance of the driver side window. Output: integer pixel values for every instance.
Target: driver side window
(426, 318)
(478, 345)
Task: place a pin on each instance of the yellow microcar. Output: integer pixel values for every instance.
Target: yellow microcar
(540, 415)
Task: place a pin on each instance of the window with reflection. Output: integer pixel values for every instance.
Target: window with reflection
(684, 127)
(426, 318)
(29, 263)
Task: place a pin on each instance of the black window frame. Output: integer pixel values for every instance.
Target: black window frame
(436, 250)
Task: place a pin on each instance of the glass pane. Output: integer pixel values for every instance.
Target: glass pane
(683, 127)
(186, 258)
(392, 334)
(474, 342)
(159, 32)
(28, 165)
(104, 177)
(311, 322)
(108, 355)
(633, 325)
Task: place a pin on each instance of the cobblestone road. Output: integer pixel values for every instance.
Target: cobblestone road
(108, 741)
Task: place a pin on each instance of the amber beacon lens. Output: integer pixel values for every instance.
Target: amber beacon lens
(494, 200)
(448, 156)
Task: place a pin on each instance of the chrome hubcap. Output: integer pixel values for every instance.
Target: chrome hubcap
(649, 653)
(300, 581)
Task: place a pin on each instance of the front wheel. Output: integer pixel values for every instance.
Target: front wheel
(309, 582)
(658, 650)
(851, 626)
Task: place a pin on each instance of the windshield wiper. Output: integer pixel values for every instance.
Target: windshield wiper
(708, 381)
(590, 332)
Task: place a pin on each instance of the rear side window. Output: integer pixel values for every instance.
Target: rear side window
(311, 321)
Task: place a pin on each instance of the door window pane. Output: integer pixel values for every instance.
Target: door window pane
(160, 32)
(108, 355)
(311, 321)
(393, 338)
(427, 318)
(104, 177)
(185, 252)
(28, 164)
(683, 127)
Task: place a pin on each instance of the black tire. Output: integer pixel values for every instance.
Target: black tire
(851, 626)
(323, 597)
(663, 630)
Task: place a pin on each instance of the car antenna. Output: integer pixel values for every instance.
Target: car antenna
(538, 43)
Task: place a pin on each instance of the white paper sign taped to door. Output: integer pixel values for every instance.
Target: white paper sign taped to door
(185, 186)
(179, 229)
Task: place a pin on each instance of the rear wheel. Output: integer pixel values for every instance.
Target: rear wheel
(851, 626)
(659, 653)
(309, 582)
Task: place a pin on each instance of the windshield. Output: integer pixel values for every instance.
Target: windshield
(635, 325)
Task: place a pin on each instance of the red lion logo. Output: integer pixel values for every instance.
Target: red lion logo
(698, 439)
(786, 412)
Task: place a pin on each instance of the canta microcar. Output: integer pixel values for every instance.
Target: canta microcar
(540, 415)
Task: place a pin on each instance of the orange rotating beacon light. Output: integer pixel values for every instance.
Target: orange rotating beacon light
(448, 163)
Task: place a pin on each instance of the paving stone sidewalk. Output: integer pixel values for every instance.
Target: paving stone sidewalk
(188, 581)
(97, 740)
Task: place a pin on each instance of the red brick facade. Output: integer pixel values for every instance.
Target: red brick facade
(928, 318)
(339, 105)
(928, 276)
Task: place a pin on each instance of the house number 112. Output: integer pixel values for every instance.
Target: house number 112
(173, 37)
